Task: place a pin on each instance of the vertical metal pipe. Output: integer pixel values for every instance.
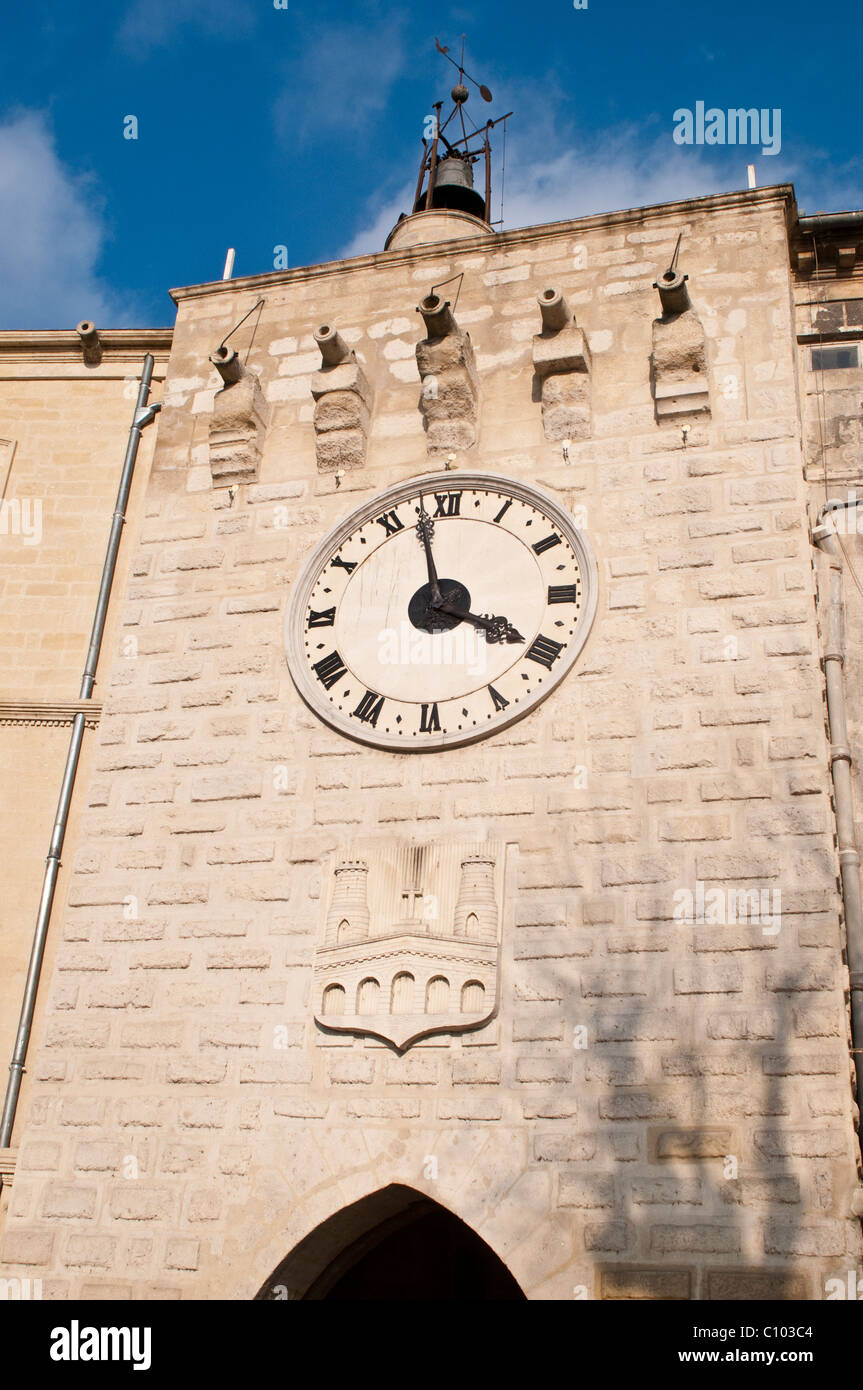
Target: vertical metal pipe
(432, 171)
(833, 660)
(144, 413)
(487, 209)
(142, 417)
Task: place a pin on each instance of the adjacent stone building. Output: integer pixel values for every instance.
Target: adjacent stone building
(613, 1039)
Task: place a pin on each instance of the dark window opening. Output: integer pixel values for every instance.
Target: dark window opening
(828, 359)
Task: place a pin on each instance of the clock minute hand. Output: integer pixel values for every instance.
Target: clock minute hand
(497, 629)
(425, 531)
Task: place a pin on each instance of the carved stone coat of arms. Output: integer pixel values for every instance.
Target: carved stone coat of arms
(410, 941)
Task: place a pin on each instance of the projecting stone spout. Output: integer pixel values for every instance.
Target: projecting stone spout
(673, 294)
(333, 347)
(450, 389)
(227, 364)
(554, 309)
(437, 315)
(561, 360)
(678, 363)
(343, 404)
(239, 423)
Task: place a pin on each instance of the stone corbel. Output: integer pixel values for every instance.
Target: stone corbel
(239, 422)
(678, 363)
(343, 402)
(450, 390)
(561, 360)
(8, 1164)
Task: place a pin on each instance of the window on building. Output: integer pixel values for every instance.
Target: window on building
(368, 996)
(829, 359)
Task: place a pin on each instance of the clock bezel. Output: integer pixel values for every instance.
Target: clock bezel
(304, 680)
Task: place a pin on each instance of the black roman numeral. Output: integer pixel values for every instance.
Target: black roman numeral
(506, 506)
(369, 708)
(429, 720)
(326, 618)
(390, 523)
(546, 543)
(545, 651)
(448, 503)
(348, 565)
(499, 701)
(563, 593)
(329, 669)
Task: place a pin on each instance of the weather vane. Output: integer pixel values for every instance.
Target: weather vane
(448, 175)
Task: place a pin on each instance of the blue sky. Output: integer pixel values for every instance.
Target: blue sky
(260, 127)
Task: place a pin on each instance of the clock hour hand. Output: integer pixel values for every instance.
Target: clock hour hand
(496, 629)
(425, 532)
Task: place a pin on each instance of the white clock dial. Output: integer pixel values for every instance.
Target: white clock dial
(441, 611)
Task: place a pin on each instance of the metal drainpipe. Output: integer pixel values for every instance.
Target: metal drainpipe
(831, 222)
(142, 417)
(833, 660)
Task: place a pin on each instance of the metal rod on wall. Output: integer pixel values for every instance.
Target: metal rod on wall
(142, 417)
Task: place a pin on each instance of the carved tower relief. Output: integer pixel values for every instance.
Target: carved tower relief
(410, 941)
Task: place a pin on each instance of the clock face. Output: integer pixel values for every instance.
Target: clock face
(441, 611)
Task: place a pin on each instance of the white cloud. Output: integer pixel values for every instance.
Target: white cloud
(576, 176)
(342, 80)
(374, 231)
(626, 166)
(51, 234)
(150, 24)
(824, 185)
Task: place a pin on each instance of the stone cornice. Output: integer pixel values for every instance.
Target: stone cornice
(782, 193)
(52, 712)
(64, 346)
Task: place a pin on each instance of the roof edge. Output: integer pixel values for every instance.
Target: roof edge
(64, 345)
(781, 193)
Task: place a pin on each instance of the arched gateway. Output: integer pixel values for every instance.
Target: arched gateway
(395, 1243)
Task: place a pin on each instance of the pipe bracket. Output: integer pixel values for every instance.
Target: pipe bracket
(145, 417)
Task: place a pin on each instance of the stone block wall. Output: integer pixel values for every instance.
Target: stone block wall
(658, 1109)
(828, 294)
(63, 433)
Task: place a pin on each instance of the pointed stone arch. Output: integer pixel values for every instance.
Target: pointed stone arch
(369, 1248)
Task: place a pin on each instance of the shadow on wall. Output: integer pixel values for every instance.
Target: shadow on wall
(700, 1151)
(702, 1168)
(730, 1197)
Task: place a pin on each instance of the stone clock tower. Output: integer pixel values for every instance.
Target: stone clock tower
(457, 861)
